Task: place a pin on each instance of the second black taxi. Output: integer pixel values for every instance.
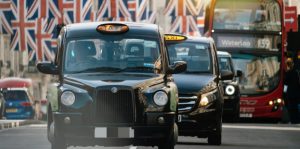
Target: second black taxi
(201, 101)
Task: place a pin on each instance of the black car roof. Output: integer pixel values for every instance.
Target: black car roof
(223, 54)
(89, 29)
(200, 39)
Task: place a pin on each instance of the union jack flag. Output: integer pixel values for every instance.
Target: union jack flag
(5, 14)
(113, 10)
(185, 25)
(140, 11)
(21, 27)
(187, 16)
(184, 7)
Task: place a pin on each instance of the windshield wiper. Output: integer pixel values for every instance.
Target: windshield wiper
(99, 69)
(137, 68)
(192, 72)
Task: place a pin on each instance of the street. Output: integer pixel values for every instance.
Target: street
(239, 136)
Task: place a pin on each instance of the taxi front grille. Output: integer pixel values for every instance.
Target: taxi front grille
(114, 107)
(186, 103)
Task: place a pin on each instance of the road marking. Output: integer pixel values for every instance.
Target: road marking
(38, 125)
(262, 127)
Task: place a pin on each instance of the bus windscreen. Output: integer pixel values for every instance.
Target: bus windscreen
(255, 15)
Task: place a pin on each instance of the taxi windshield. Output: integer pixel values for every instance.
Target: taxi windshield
(196, 55)
(113, 54)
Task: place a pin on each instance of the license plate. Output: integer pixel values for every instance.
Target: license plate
(11, 110)
(246, 115)
(123, 132)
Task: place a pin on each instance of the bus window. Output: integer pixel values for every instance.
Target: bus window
(247, 15)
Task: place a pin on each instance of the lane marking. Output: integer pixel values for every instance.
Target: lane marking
(38, 125)
(262, 127)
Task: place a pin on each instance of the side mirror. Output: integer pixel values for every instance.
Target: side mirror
(226, 75)
(177, 67)
(239, 73)
(47, 68)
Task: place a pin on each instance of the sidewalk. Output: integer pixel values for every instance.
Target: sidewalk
(4, 124)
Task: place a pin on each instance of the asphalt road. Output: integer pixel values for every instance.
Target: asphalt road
(235, 136)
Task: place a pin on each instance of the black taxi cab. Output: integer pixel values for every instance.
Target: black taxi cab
(200, 89)
(231, 88)
(114, 87)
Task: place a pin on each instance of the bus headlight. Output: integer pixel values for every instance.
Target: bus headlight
(67, 98)
(229, 89)
(279, 101)
(271, 103)
(160, 98)
(275, 101)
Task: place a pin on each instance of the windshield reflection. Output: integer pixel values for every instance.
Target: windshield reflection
(196, 55)
(260, 74)
(247, 15)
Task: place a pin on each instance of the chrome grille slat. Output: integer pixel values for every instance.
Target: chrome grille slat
(186, 103)
(114, 107)
(184, 109)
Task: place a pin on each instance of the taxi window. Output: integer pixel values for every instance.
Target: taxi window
(112, 55)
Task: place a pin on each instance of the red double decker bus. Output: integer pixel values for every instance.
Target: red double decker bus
(253, 32)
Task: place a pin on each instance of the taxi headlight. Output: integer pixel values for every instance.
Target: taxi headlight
(204, 101)
(160, 98)
(67, 98)
(229, 90)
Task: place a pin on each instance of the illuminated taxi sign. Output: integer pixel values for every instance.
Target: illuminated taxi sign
(170, 37)
(112, 28)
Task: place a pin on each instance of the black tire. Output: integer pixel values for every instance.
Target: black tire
(56, 139)
(2, 108)
(215, 138)
(236, 114)
(1, 112)
(171, 140)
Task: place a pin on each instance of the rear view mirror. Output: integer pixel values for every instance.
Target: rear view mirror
(239, 73)
(47, 68)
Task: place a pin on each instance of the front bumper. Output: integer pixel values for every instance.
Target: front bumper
(231, 104)
(261, 112)
(78, 133)
(199, 122)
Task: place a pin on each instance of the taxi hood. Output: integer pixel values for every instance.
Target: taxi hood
(118, 79)
(193, 83)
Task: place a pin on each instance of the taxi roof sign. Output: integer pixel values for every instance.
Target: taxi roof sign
(173, 37)
(112, 28)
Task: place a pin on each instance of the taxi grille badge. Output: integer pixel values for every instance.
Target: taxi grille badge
(114, 90)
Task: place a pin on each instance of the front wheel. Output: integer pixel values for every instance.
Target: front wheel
(171, 139)
(58, 141)
(55, 138)
(215, 138)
